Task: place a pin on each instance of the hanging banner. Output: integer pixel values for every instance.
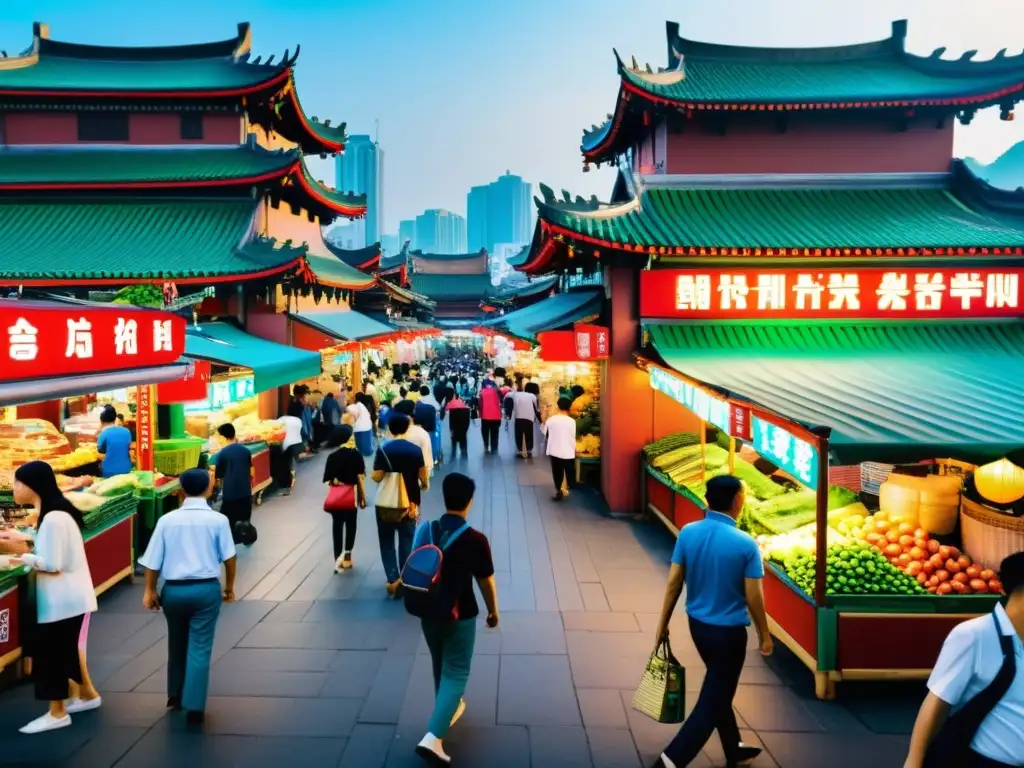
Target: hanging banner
(837, 293)
(739, 422)
(792, 455)
(145, 426)
(711, 409)
(194, 386)
(49, 339)
(591, 342)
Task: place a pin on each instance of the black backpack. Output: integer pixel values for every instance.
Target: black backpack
(245, 533)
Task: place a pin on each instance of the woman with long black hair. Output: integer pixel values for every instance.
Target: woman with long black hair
(64, 595)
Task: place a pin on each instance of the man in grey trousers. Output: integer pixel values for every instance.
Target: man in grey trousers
(187, 549)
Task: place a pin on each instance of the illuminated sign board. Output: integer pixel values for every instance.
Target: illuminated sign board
(225, 392)
(711, 409)
(788, 452)
(835, 293)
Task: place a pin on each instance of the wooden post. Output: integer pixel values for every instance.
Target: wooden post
(821, 532)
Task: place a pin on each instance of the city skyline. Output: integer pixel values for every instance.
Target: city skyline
(449, 122)
(361, 169)
(499, 212)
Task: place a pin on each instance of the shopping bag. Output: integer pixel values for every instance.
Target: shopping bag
(340, 498)
(660, 694)
(392, 500)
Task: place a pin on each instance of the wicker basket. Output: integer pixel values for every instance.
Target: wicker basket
(989, 536)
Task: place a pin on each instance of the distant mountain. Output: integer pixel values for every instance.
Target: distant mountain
(1005, 172)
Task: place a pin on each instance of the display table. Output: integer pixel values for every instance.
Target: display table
(10, 636)
(851, 637)
(587, 465)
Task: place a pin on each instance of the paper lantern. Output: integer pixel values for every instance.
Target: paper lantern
(1001, 481)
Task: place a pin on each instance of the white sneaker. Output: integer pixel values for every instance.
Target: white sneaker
(458, 712)
(431, 750)
(665, 762)
(83, 705)
(48, 722)
(338, 567)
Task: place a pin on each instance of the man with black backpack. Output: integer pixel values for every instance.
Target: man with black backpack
(438, 578)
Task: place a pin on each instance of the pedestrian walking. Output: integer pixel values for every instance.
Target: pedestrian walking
(292, 447)
(458, 421)
(722, 569)
(331, 410)
(524, 411)
(64, 597)
(187, 549)
(427, 415)
(362, 424)
(400, 472)
(449, 623)
(490, 415)
(560, 433)
(345, 469)
(979, 678)
(234, 473)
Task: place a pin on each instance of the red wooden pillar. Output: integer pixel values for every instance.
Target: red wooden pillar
(627, 400)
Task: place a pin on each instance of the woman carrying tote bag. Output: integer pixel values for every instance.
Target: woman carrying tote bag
(346, 495)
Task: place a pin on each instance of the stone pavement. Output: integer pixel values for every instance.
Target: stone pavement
(320, 670)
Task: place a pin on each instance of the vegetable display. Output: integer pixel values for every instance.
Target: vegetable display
(853, 569)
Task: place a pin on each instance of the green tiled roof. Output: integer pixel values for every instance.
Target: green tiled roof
(442, 288)
(506, 292)
(273, 364)
(551, 313)
(133, 239)
(348, 325)
(889, 391)
(333, 272)
(57, 67)
(361, 258)
(76, 165)
(761, 217)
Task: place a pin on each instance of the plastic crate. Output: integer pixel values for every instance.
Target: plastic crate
(172, 457)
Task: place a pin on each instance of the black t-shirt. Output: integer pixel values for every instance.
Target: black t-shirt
(467, 559)
(404, 457)
(344, 466)
(233, 464)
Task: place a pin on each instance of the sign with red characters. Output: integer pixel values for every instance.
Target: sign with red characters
(739, 422)
(44, 339)
(591, 342)
(918, 293)
(582, 344)
(145, 403)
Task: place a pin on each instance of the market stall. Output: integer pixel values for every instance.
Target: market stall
(58, 351)
(806, 411)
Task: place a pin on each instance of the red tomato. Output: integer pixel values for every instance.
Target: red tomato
(959, 587)
(987, 574)
(944, 589)
(942, 576)
(960, 578)
(945, 551)
(979, 586)
(995, 585)
(916, 569)
(903, 560)
(964, 561)
(881, 526)
(873, 538)
(921, 533)
(921, 544)
(954, 552)
(892, 537)
(932, 590)
(917, 553)
(928, 567)
(937, 560)
(933, 581)
(922, 578)
(952, 566)
(906, 541)
(892, 550)
(933, 546)
(972, 571)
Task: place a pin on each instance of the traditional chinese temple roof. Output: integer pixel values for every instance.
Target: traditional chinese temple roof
(889, 391)
(509, 292)
(220, 75)
(918, 215)
(366, 259)
(556, 311)
(110, 243)
(405, 296)
(452, 288)
(450, 263)
(1005, 172)
(875, 75)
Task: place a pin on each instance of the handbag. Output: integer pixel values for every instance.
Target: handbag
(392, 500)
(951, 746)
(660, 694)
(340, 498)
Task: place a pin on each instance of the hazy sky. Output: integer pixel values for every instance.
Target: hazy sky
(465, 89)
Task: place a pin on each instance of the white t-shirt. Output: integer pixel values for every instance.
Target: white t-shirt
(561, 433)
(292, 430)
(64, 585)
(190, 543)
(417, 435)
(361, 421)
(371, 390)
(969, 661)
(524, 406)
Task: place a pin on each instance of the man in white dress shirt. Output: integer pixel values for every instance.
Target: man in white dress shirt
(971, 660)
(187, 549)
(560, 431)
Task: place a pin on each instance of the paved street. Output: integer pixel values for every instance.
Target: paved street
(319, 670)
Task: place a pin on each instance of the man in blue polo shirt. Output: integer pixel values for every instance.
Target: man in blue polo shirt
(722, 569)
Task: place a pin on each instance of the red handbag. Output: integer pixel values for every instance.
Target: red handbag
(340, 498)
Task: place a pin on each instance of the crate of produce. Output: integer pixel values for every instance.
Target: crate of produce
(172, 457)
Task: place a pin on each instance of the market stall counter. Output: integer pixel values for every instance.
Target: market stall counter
(261, 462)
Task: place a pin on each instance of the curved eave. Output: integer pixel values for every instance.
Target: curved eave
(349, 205)
(286, 117)
(366, 259)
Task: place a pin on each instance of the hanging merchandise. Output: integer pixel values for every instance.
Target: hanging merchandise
(1001, 482)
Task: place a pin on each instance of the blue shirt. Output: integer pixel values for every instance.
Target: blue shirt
(717, 557)
(115, 444)
(425, 415)
(189, 543)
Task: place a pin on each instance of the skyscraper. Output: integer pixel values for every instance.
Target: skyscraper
(440, 231)
(499, 212)
(361, 169)
(407, 234)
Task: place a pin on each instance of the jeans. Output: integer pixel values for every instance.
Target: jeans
(563, 471)
(723, 650)
(405, 529)
(435, 444)
(451, 651)
(489, 429)
(524, 435)
(458, 439)
(364, 442)
(191, 610)
(343, 530)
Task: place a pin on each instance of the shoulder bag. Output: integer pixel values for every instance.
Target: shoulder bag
(340, 498)
(392, 500)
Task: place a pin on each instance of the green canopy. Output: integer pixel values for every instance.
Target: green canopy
(272, 364)
(550, 313)
(346, 325)
(889, 391)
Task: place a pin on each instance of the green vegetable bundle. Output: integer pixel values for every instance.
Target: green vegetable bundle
(670, 443)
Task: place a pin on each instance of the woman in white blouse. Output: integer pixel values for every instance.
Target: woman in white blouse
(64, 594)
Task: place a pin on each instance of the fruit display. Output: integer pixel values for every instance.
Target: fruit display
(80, 457)
(854, 568)
(588, 445)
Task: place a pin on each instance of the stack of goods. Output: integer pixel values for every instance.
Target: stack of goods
(106, 500)
(587, 413)
(28, 440)
(588, 446)
(854, 568)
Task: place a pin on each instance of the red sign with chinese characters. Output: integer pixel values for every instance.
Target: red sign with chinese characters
(838, 292)
(194, 386)
(144, 426)
(591, 342)
(44, 339)
(739, 422)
